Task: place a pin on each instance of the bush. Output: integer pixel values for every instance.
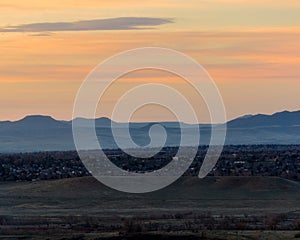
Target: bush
(297, 224)
(297, 235)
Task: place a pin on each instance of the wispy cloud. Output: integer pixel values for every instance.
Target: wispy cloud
(122, 23)
(45, 34)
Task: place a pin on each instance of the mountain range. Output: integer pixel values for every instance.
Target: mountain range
(44, 133)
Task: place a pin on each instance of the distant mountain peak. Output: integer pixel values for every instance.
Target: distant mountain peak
(246, 116)
(37, 121)
(37, 117)
(284, 118)
(104, 119)
(99, 122)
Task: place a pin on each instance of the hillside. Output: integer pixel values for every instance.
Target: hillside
(216, 194)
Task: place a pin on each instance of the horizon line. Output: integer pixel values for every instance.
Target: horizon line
(105, 117)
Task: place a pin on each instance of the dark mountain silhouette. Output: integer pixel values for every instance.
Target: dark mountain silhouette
(43, 133)
(100, 122)
(38, 121)
(285, 118)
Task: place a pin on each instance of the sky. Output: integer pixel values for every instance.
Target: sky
(251, 49)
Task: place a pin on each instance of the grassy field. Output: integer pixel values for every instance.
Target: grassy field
(191, 208)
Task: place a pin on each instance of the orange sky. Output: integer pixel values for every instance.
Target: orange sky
(250, 48)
